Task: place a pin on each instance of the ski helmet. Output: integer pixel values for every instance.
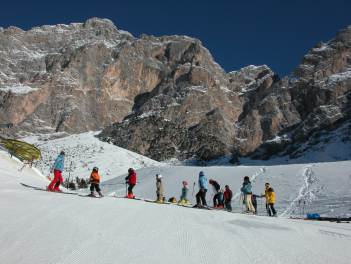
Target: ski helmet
(95, 169)
(185, 183)
(201, 173)
(130, 170)
(62, 152)
(158, 176)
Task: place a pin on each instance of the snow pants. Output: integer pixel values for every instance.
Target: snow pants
(217, 200)
(248, 203)
(130, 191)
(160, 196)
(201, 197)
(270, 209)
(228, 205)
(95, 186)
(54, 185)
(254, 204)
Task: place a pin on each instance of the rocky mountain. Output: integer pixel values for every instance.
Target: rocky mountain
(66, 77)
(165, 97)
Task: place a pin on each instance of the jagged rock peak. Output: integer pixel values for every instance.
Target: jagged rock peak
(96, 22)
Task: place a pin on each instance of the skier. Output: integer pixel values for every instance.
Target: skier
(246, 189)
(183, 198)
(269, 194)
(201, 195)
(254, 201)
(217, 201)
(228, 195)
(95, 182)
(159, 189)
(57, 169)
(131, 180)
(220, 199)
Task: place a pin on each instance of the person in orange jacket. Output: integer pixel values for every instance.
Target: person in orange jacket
(95, 182)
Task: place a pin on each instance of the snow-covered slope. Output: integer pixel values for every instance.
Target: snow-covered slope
(300, 188)
(83, 152)
(43, 227)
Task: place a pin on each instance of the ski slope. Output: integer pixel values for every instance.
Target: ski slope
(43, 227)
(83, 152)
(300, 188)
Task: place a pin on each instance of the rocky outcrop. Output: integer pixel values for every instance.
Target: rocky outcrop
(317, 96)
(64, 77)
(165, 97)
(258, 115)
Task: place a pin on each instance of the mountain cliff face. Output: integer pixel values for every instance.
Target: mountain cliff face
(165, 97)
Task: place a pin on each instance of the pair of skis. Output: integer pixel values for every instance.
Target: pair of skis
(44, 189)
(61, 192)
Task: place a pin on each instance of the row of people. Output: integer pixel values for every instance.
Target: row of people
(221, 199)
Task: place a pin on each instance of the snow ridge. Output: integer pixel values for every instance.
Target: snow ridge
(307, 193)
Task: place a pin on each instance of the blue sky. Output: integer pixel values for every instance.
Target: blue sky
(238, 33)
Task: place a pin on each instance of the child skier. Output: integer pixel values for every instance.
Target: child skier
(183, 198)
(220, 199)
(201, 195)
(247, 192)
(95, 182)
(228, 195)
(131, 180)
(217, 201)
(159, 189)
(270, 200)
(254, 201)
(57, 169)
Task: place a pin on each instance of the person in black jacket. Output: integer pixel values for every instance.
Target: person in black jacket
(218, 197)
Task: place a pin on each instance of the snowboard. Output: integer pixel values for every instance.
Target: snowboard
(45, 190)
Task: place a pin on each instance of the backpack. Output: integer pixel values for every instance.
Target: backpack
(172, 200)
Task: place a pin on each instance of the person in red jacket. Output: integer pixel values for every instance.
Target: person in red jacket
(131, 180)
(228, 195)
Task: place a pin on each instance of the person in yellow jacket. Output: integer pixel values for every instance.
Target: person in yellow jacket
(95, 182)
(269, 194)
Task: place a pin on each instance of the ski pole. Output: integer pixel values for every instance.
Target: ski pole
(193, 190)
(69, 175)
(118, 183)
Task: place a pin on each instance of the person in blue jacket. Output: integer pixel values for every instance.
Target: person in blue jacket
(57, 169)
(201, 195)
(247, 192)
